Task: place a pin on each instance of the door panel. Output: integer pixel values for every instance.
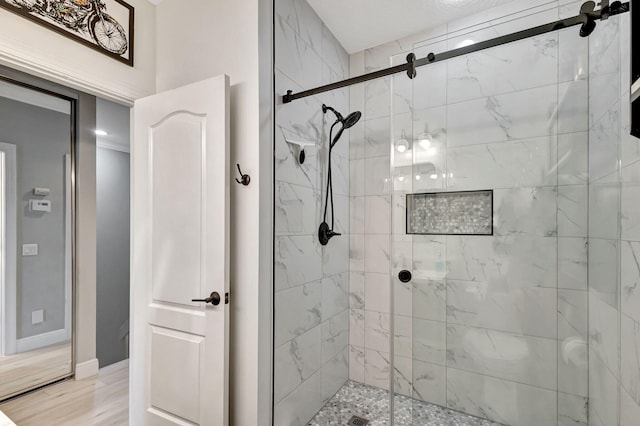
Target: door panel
(177, 145)
(166, 347)
(180, 240)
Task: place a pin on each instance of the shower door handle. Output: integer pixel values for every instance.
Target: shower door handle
(214, 299)
(404, 276)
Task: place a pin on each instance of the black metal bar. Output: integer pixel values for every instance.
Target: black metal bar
(498, 41)
(412, 63)
(290, 96)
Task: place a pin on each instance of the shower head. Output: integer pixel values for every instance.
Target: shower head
(348, 122)
(351, 119)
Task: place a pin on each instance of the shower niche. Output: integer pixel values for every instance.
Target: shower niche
(450, 213)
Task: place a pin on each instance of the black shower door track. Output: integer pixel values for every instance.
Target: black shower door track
(616, 8)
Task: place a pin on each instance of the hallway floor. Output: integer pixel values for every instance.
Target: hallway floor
(101, 400)
(372, 404)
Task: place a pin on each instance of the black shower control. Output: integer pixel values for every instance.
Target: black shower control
(404, 276)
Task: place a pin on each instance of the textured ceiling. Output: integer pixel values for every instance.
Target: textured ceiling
(361, 24)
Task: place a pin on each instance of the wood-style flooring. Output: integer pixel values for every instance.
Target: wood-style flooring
(101, 400)
(32, 369)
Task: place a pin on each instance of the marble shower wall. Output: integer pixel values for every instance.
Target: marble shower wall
(495, 326)
(311, 282)
(614, 237)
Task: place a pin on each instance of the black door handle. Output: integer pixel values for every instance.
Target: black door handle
(214, 299)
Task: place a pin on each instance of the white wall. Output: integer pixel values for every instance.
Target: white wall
(206, 39)
(32, 48)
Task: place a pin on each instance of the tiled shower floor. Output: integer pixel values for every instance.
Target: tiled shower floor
(373, 404)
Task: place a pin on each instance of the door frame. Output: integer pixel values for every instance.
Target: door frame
(10, 343)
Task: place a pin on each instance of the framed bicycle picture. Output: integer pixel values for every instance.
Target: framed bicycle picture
(103, 25)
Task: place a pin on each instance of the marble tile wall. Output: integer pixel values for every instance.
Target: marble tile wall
(537, 324)
(311, 299)
(614, 215)
(495, 326)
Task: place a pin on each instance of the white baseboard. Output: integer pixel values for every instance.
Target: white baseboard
(5, 421)
(41, 340)
(87, 369)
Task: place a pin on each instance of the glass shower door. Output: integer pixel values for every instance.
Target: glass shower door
(489, 156)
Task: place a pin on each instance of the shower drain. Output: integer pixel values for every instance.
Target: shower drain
(358, 421)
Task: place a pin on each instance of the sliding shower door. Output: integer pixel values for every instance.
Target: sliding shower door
(35, 238)
(489, 156)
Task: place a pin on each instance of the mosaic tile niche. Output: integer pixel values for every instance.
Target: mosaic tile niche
(450, 213)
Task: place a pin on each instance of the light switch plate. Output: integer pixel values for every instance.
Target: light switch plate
(41, 191)
(29, 249)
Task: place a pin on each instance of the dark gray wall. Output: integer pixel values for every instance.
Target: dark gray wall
(42, 138)
(112, 174)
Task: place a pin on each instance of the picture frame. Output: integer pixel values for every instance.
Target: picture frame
(106, 26)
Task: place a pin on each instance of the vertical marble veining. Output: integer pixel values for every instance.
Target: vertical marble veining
(313, 293)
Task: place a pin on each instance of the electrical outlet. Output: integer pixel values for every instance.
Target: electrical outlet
(37, 317)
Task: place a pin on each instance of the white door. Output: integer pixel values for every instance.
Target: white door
(180, 251)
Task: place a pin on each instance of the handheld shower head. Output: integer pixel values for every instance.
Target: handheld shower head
(348, 122)
(351, 119)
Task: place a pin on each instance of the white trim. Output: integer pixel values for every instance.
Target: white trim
(115, 366)
(113, 146)
(16, 54)
(8, 260)
(38, 341)
(87, 369)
